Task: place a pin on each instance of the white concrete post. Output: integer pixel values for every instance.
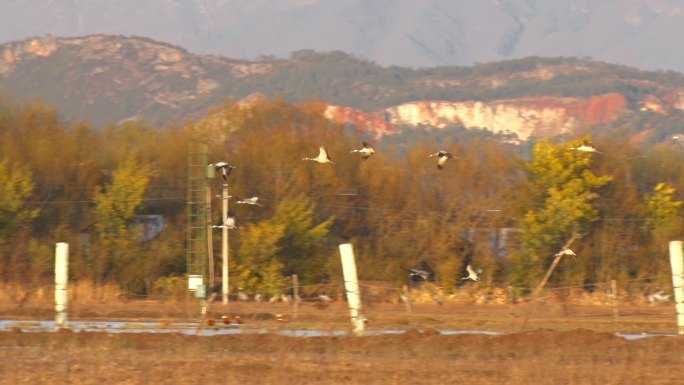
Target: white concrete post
(61, 280)
(678, 281)
(351, 285)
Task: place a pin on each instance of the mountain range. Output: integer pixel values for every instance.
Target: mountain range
(107, 79)
(407, 33)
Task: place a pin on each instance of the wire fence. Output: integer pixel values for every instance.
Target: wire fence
(635, 305)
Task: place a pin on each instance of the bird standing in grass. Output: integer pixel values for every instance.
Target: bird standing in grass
(322, 156)
(366, 151)
(324, 298)
(442, 157)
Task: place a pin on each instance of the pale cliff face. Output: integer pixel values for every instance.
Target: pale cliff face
(539, 117)
(527, 117)
(499, 117)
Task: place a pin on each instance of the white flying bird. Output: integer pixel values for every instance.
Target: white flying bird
(228, 223)
(250, 201)
(366, 151)
(322, 156)
(442, 157)
(566, 251)
(472, 274)
(418, 273)
(586, 146)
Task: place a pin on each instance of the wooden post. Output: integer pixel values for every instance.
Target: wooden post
(61, 281)
(407, 299)
(295, 296)
(614, 292)
(351, 285)
(677, 264)
(210, 242)
(555, 263)
(540, 287)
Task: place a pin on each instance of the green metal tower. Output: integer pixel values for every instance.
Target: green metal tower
(197, 234)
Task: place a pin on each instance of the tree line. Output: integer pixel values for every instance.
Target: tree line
(493, 206)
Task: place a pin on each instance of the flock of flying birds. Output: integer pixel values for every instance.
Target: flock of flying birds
(366, 151)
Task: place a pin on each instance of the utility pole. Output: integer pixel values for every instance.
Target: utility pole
(210, 242)
(224, 249)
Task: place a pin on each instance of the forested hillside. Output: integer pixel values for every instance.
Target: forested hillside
(110, 79)
(490, 206)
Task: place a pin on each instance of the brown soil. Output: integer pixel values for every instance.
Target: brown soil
(539, 344)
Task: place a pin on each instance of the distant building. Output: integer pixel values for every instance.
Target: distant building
(150, 226)
(499, 240)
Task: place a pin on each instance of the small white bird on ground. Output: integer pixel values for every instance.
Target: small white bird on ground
(658, 296)
(322, 156)
(366, 151)
(250, 201)
(442, 157)
(324, 298)
(224, 168)
(472, 274)
(286, 298)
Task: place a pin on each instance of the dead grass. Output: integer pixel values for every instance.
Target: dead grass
(536, 357)
(547, 342)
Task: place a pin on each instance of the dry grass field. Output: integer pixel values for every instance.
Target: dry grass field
(536, 343)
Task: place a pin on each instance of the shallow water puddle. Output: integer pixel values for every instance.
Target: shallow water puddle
(193, 328)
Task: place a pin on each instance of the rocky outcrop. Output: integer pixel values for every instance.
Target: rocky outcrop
(364, 122)
(539, 117)
(527, 117)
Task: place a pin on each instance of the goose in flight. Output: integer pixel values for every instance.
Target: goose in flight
(418, 273)
(442, 157)
(228, 223)
(472, 274)
(366, 151)
(586, 146)
(224, 168)
(566, 251)
(250, 201)
(322, 156)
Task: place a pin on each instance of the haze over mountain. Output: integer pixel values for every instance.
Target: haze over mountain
(414, 33)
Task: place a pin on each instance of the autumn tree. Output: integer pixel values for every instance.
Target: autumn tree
(302, 240)
(16, 187)
(260, 265)
(116, 205)
(662, 212)
(562, 188)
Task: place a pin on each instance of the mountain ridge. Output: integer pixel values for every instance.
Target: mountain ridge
(406, 33)
(111, 79)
